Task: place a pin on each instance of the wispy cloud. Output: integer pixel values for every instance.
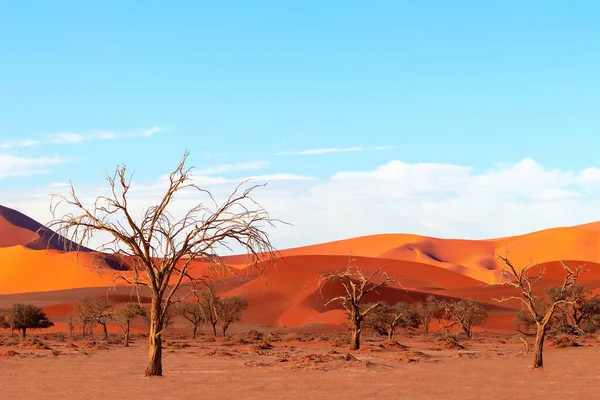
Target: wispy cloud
(12, 165)
(224, 168)
(67, 137)
(72, 137)
(10, 144)
(151, 131)
(329, 150)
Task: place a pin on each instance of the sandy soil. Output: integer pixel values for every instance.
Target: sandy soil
(290, 366)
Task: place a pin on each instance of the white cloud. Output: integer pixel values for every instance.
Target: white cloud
(224, 168)
(9, 144)
(67, 138)
(440, 200)
(12, 165)
(71, 137)
(151, 131)
(330, 150)
(106, 135)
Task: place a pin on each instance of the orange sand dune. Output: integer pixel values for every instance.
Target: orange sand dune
(287, 294)
(27, 270)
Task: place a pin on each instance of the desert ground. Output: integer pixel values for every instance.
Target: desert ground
(285, 364)
(289, 344)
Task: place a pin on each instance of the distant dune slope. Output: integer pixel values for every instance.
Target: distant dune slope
(17, 228)
(34, 267)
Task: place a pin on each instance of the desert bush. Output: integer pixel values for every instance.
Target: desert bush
(563, 341)
(465, 313)
(230, 310)
(449, 341)
(21, 317)
(386, 319)
(339, 339)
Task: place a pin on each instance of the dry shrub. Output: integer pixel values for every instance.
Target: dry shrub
(263, 345)
(412, 356)
(393, 345)
(10, 341)
(251, 336)
(34, 343)
(313, 358)
(178, 345)
(339, 339)
(10, 354)
(449, 341)
(272, 337)
(291, 337)
(220, 353)
(92, 344)
(563, 341)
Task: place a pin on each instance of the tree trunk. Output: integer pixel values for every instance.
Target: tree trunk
(195, 330)
(214, 326)
(468, 333)
(390, 334)
(225, 326)
(355, 344)
(154, 367)
(24, 330)
(538, 360)
(105, 331)
(127, 334)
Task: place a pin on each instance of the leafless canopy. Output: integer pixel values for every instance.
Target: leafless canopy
(356, 285)
(525, 283)
(159, 249)
(541, 313)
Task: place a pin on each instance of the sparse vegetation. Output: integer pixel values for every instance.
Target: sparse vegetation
(425, 312)
(194, 314)
(386, 319)
(95, 311)
(157, 251)
(21, 317)
(464, 313)
(125, 315)
(540, 311)
(355, 286)
(230, 310)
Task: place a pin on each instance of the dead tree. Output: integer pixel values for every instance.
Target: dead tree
(426, 311)
(520, 279)
(209, 302)
(356, 285)
(464, 313)
(230, 310)
(125, 315)
(96, 311)
(194, 313)
(158, 250)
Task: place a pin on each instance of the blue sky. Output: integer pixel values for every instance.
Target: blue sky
(461, 83)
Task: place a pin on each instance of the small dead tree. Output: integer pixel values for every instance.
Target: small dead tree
(525, 283)
(194, 313)
(464, 313)
(71, 322)
(96, 311)
(356, 286)
(125, 315)
(158, 250)
(209, 302)
(230, 310)
(386, 319)
(426, 311)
